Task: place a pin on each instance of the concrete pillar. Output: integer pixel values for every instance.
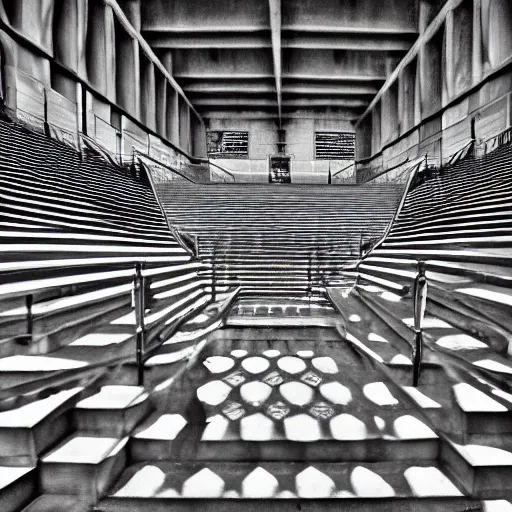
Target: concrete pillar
(173, 117)
(425, 11)
(131, 9)
(127, 70)
(449, 58)
(477, 42)
(184, 113)
(110, 54)
(66, 33)
(167, 61)
(161, 103)
(147, 92)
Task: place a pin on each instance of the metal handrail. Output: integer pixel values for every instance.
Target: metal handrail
(420, 290)
(223, 169)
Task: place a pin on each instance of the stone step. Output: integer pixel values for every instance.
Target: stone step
(114, 411)
(83, 466)
(482, 471)
(18, 486)
(341, 437)
(274, 486)
(27, 431)
(56, 503)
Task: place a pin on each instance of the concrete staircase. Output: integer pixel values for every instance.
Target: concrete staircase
(291, 418)
(279, 241)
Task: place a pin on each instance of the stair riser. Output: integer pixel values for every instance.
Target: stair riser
(19, 493)
(488, 423)
(484, 482)
(243, 451)
(110, 422)
(21, 446)
(87, 481)
(286, 505)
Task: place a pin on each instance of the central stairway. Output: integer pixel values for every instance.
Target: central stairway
(274, 418)
(279, 240)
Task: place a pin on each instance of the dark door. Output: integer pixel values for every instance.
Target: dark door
(280, 170)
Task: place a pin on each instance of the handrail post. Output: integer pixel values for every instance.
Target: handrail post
(214, 286)
(29, 302)
(140, 310)
(419, 305)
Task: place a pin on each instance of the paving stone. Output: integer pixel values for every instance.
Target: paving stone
(239, 353)
(297, 393)
(271, 353)
(255, 393)
(214, 392)
(346, 427)
(257, 427)
(291, 364)
(255, 364)
(325, 364)
(302, 427)
(306, 354)
(336, 393)
(219, 364)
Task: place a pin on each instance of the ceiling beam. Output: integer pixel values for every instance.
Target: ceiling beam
(295, 77)
(275, 35)
(256, 88)
(345, 114)
(353, 39)
(255, 103)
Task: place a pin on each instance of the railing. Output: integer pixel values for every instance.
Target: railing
(420, 290)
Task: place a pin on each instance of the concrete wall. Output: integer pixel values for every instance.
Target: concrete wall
(454, 85)
(74, 67)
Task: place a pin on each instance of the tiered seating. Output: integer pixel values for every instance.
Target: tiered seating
(82, 241)
(273, 240)
(455, 221)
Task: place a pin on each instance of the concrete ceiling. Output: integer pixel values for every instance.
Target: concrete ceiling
(280, 58)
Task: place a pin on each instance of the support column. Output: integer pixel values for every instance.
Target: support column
(477, 42)
(132, 10)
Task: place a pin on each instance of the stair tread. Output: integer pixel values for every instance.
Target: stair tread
(31, 414)
(277, 480)
(80, 448)
(114, 397)
(9, 474)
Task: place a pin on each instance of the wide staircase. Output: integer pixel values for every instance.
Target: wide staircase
(270, 240)
(134, 377)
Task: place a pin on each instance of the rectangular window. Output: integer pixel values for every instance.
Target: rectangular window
(335, 145)
(228, 144)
